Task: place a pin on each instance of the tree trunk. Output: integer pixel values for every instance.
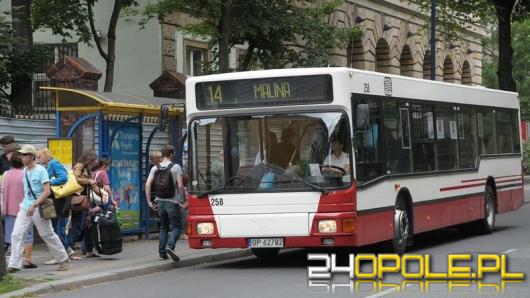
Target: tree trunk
(111, 49)
(21, 93)
(248, 57)
(504, 10)
(224, 33)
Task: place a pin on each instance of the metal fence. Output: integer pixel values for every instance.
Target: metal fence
(42, 104)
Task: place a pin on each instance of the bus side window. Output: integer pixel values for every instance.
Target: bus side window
(446, 137)
(504, 132)
(370, 161)
(396, 133)
(489, 133)
(422, 135)
(516, 134)
(467, 138)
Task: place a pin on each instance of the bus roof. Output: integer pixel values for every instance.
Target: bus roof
(401, 86)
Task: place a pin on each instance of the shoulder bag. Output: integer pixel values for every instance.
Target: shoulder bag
(69, 188)
(46, 208)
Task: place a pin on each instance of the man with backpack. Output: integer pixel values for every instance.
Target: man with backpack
(170, 197)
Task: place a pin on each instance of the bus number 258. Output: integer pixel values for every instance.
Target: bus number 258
(216, 201)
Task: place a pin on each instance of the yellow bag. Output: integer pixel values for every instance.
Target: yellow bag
(69, 188)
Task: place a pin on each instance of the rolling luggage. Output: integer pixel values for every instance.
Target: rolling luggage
(106, 233)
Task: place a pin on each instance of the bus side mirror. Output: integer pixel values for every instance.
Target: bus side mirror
(363, 116)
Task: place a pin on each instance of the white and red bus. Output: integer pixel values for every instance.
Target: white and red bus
(327, 157)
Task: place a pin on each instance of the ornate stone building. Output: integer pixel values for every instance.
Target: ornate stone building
(395, 40)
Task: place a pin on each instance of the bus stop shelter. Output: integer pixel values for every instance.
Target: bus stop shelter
(117, 122)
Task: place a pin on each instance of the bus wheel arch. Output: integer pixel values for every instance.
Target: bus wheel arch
(485, 225)
(403, 224)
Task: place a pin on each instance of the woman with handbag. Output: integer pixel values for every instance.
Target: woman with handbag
(58, 176)
(33, 210)
(83, 173)
(102, 178)
(13, 192)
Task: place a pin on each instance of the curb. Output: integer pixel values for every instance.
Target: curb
(123, 273)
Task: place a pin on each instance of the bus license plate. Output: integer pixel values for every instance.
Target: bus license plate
(265, 242)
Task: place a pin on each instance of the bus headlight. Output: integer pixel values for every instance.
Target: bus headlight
(205, 228)
(327, 226)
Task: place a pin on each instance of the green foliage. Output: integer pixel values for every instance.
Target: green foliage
(526, 157)
(453, 17)
(13, 63)
(12, 283)
(279, 33)
(68, 18)
(521, 63)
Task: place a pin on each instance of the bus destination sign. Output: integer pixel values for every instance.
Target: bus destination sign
(264, 92)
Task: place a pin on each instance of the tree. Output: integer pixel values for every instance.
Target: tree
(71, 18)
(454, 14)
(521, 55)
(278, 32)
(20, 16)
(17, 64)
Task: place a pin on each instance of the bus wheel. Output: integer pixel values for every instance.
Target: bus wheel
(487, 224)
(401, 227)
(265, 253)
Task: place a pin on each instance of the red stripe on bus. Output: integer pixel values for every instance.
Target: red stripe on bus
(480, 179)
(461, 186)
(509, 180)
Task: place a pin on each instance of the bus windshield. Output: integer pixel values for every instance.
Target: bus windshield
(263, 153)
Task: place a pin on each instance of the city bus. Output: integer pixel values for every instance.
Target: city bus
(338, 157)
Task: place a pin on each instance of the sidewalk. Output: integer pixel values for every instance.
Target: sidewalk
(139, 257)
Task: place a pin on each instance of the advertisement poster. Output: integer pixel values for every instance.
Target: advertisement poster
(125, 176)
(62, 150)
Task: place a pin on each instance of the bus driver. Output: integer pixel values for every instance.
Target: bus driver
(338, 161)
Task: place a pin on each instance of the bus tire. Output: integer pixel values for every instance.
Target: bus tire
(401, 230)
(486, 225)
(265, 253)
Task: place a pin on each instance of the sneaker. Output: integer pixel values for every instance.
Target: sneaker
(163, 258)
(183, 237)
(12, 270)
(51, 262)
(64, 266)
(173, 255)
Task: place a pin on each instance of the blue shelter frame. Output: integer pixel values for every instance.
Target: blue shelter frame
(97, 106)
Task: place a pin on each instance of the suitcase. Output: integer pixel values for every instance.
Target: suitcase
(106, 233)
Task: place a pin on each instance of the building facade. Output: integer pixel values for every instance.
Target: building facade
(394, 41)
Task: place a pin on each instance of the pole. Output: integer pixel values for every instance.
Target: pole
(433, 40)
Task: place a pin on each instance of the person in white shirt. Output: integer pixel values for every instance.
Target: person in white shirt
(337, 158)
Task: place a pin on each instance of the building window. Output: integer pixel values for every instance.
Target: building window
(195, 57)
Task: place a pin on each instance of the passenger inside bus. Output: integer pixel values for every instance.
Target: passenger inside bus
(283, 152)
